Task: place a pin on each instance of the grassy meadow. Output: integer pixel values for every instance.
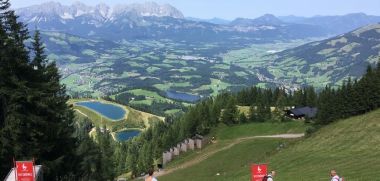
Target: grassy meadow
(233, 162)
(351, 146)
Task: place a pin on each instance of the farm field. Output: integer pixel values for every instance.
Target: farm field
(98, 67)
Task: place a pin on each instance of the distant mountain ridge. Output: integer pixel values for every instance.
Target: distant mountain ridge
(102, 11)
(332, 60)
(141, 35)
(335, 24)
(218, 21)
(154, 21)
(266, 19)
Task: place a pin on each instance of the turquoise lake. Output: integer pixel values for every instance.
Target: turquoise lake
(110, 111)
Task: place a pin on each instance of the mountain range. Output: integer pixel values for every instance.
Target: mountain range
(102, 50)
(214, 20)
(102, 11)
(332, 60)
(335, 24)
(153, 21)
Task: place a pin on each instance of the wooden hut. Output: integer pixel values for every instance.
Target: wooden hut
(198, 140)
(183, 147)
(166, 157)
(190, 144)
(176, 151)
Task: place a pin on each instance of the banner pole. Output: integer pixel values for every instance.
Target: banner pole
(34, 172)
(15, 168)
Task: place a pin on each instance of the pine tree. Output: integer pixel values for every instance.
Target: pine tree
(39, 61)
(54, 145)
(230, 112)
(90, 161)
(253, 117)
(36, 119)
(242, 118)
(377, 85)
(324, 106)
(132, 162)
(311, 96)
(14, 72)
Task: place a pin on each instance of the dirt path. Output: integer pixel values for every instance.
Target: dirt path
(80, 112)
(206, 155)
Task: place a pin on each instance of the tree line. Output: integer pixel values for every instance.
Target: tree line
(141, 153)
(352, 98)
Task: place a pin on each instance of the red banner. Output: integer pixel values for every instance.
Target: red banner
(258, 172)
(24, 171)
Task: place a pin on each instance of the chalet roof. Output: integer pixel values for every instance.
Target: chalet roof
(197, 136)
(309, 112)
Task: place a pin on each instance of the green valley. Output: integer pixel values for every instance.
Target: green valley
(123, 92)
(207, 69)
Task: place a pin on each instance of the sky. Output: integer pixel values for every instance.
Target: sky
(231, 9)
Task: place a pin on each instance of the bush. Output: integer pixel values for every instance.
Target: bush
(311, 129)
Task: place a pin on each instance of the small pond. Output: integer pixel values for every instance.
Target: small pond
(126, 135)
(110, 111)
(182, 96)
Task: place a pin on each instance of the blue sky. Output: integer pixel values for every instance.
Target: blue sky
(230, 9)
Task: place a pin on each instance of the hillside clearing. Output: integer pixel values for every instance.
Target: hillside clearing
(248, 133)
(351, 146)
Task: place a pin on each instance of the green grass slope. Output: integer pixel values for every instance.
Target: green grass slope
(351, 146)
(232, 163)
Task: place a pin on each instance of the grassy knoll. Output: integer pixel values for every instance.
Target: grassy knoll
(255, 55)
(351, 146)
(216, 86)
(172, 111)
(149, 96)
(246, 109)
(236, 160)
(231, 164)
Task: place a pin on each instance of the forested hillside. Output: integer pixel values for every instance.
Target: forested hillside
(35, 119)
(352, 98)
(330, 61)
